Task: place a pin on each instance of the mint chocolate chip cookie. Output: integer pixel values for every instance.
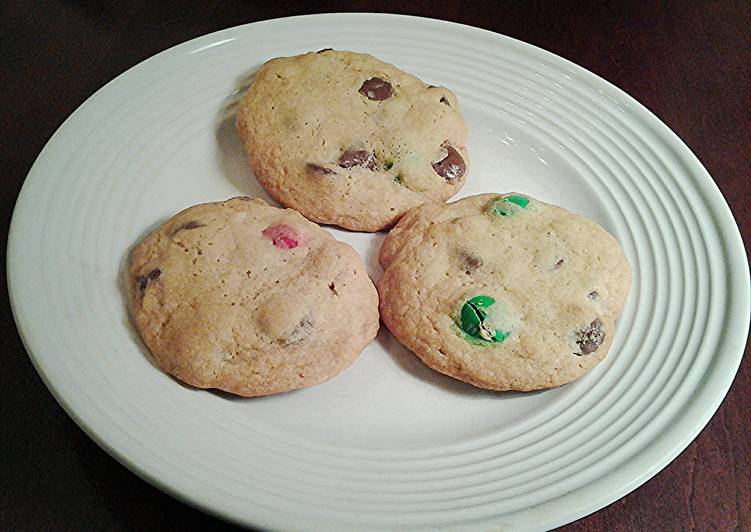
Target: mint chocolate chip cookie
(250, 299)
(349, 140)
(503, 291)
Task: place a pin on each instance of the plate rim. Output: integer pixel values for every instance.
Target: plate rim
(723, 219)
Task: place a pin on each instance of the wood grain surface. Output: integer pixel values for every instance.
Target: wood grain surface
(689, 62)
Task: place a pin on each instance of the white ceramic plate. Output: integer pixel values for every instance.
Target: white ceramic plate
(387, 444)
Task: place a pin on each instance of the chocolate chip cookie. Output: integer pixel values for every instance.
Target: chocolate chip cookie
(250, 299)
(503, 291)
(349, 140)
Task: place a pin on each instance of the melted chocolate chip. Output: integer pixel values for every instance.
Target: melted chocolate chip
(444, 101)
(591, 337)
(593, 295)
(301, 331)
(471, 263)
(363, 158)
(143, 280)
(558, 264)
(377, 89)
(450, 167)
(319, 169)
(324, 50)
(190, 225)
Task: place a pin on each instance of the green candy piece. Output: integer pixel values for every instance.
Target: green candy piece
(482, 301)
(521, 201)
(398, 178)
(472, 318)
(388, 165)
(509, 205)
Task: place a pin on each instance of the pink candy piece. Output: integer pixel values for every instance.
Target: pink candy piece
(283, 236)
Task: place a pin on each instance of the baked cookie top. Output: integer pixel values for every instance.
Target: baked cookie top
(349, 140)
(503, 291)
(250, 299)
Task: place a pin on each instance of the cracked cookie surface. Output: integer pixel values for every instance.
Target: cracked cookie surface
(503, 291)
(347, 139)
(250, 299)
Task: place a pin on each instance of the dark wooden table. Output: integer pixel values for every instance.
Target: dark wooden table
(689, 62)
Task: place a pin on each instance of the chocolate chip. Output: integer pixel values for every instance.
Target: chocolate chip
(190, 225)
(450, 167)
(593, 295)
(143, 281)
(558, 264)
(444, 101)
(324, 50)
(363, 158)
(302, 330)
(377, 89)
(319, 169)
(332, 287)
(591, 337)
(471, 262)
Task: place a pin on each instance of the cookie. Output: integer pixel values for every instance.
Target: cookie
(349, 140)
(250, 299)
(503, 291)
